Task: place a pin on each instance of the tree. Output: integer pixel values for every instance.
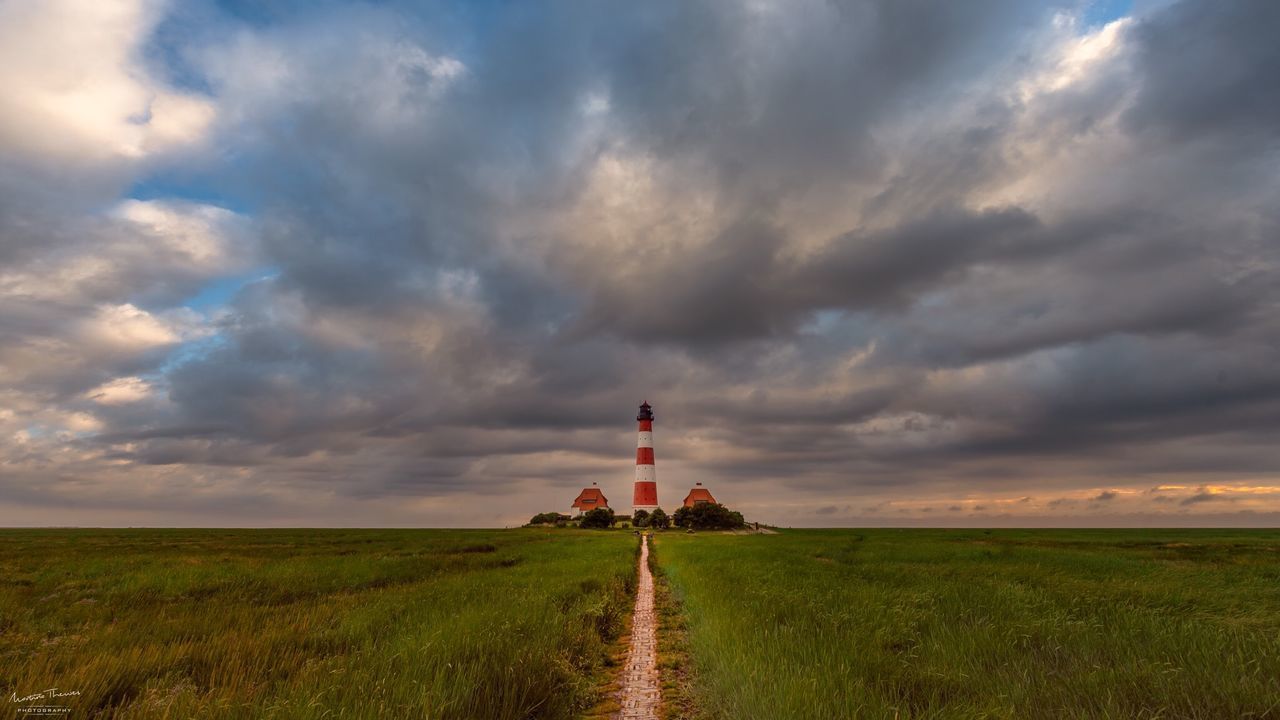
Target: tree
(659, 520)
(640, 518)
(597, 518)
(708, 516)
(681, 516)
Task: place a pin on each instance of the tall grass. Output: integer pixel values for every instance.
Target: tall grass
(312, 624)
(969, 624)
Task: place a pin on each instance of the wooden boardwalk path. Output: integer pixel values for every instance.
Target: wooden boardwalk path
(640, 695)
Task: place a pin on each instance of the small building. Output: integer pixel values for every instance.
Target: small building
(698, 496)
(589, 499)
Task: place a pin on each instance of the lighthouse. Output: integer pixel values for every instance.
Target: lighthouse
(646, 492)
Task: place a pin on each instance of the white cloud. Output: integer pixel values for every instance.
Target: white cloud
(82, 422)
(133, 248)
(200, 234)
(1075, 57)
(76, 89)
(388, 86)
(126, 328)
(120, 391)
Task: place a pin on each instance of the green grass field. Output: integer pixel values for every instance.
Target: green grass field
(309, 624)
(518, 623)
(981, 624)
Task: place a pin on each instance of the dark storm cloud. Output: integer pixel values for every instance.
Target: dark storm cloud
(774, 98)
(741, 287)
(1208, 69)
(889, 250)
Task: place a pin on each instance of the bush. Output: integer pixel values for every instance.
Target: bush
(640, 518)
(708, 516)
(659, 520)
(597, 518)
(547, 518)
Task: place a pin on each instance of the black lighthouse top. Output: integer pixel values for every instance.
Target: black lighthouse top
(646, 412)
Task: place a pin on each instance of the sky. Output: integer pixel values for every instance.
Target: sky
(873, 262)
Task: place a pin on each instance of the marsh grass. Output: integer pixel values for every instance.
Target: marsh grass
(311, 624)
(675, 667)
(969, 624)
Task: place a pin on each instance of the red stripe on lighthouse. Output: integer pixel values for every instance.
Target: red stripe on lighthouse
(646, 494)
(644, 456)
(646, 426)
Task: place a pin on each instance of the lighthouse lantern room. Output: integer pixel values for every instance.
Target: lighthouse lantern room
(645, 496)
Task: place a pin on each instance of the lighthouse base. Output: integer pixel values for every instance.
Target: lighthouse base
(645, 496)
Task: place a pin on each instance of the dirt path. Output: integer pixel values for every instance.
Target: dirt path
(639, 695)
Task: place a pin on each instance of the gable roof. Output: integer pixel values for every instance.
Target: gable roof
(590, 499)
(698, 494)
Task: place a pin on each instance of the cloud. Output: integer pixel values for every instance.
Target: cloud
(1204, 496)
(372, 260)
(1196, 85)
(120, 391)
(76, 89)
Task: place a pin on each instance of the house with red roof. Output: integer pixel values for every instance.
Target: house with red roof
(589, 499)
(698, 496)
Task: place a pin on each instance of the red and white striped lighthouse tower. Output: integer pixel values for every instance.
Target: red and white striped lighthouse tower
(646, 493)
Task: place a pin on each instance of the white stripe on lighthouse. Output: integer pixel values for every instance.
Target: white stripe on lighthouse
(645, 440)
(646, 473)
